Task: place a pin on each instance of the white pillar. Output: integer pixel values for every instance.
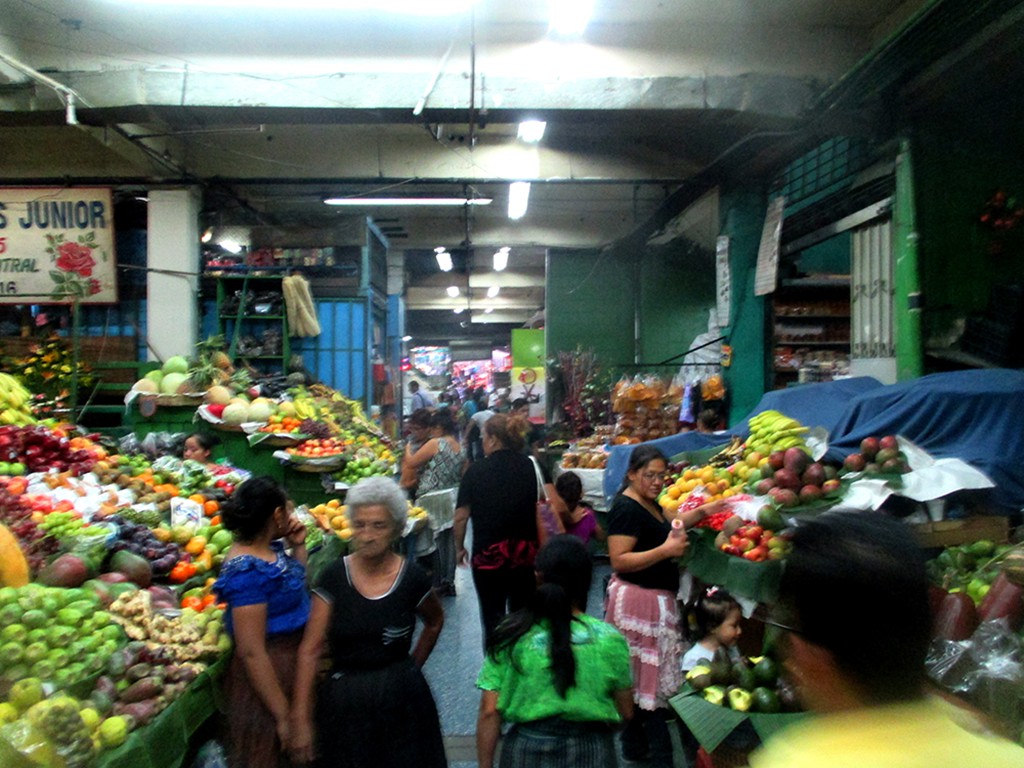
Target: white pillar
(172, 314)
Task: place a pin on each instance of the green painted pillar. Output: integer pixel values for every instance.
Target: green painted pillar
(907, 299)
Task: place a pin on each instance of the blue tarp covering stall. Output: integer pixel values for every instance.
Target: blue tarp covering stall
(976, 416)
(816, 405)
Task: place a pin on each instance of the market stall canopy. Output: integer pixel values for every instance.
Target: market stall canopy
(976, 416)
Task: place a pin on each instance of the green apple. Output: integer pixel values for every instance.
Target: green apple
(34, 618)
(59, 657)
(44, 669)
(14, 632)
(11, 654)
(16, 468)
(8, 595)
(60, 637)
(26, 692)
(34, 652)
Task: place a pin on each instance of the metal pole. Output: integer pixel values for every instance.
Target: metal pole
(907, 299)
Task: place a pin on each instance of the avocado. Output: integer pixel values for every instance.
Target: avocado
(765, 700)
(721, 667)
(743, 676)
(715, 694)
(766, 672)
(739, 699)
(699, 677)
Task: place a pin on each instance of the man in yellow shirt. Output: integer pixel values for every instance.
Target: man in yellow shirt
(854, 610)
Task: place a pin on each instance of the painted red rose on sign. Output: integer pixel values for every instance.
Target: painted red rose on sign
(73, 257)
(94, 286)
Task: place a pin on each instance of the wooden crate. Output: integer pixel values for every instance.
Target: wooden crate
(950, 533)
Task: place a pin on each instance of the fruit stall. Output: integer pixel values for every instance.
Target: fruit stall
(111, 638)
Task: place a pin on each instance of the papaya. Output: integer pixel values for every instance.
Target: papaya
(1004, 600)
(956, 619)
(13, 565)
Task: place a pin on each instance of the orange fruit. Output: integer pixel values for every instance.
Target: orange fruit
(210, 507)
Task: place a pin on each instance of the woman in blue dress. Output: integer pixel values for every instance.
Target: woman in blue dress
(268, 605)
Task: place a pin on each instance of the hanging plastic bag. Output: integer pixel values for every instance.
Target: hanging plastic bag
(211, 755)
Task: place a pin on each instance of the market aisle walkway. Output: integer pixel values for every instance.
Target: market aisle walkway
(455, 662)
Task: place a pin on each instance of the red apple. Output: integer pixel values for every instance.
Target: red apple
(869, 447)
(854, 462)
(889, 442)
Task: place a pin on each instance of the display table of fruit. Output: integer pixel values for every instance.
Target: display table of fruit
(721, 696)
(107, 622)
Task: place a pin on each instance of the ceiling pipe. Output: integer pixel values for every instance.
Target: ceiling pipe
(68, 95)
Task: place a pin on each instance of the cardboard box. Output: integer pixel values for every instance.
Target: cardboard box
(950, 533)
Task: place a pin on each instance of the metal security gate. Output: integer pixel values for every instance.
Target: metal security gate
(871, 291)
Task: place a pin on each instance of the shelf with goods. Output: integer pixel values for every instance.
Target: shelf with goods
(250, 315)
(810, 329)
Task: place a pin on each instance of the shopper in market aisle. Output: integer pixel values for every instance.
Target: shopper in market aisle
(499, 495)
(853, 607)
(560, 677)
(641, 599)
(199, 447)
(440, 463)
(268, 605)
(420, 398)
(418, 428)
(374, 708)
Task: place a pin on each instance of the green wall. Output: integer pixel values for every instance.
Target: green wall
(593, 298)
(742, 215)
(590, 301)
(956, 170)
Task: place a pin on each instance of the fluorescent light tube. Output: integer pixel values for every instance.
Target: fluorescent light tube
(518, 199)
(459, 310)
(399, 201)
(453, 291)
(531, 131)
(231, 246)
(488, 310)
(407, 338)
(406, 7)
(444, 259)
(569, 17)
(500, 259)
(492, 292)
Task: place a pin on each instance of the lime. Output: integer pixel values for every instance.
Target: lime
(8, 713)
(11, 653)
(34, 619)
(8, 596)
(14, 632)
(26, 692)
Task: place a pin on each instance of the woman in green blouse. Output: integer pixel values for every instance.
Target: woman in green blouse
(559, 676)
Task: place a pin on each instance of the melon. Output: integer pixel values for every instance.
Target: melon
(261, 410)
(172, 383)
(286, 408)
(175, 364)
(235, 413)
(146, 385)
(155, 376)
(218, 395)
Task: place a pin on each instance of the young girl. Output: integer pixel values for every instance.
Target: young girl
(713, 623)
(580, 520)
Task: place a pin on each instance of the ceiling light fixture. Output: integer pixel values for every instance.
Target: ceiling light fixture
(518, 199)
(492, 292)
(459, 310)
(570, 17)
(444, 259)
(488, 310)
(406, 7)
(231, 246)
(407, 338)
(500, 259)
(207, 235)
(531, 131)
(450, 202)
(453, 291)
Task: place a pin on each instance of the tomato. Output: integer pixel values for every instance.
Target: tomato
(193, 602)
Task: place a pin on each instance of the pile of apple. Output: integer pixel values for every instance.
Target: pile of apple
(755, 543)
(790, 478)
(878, 455)
(318, 448)
(39, 449)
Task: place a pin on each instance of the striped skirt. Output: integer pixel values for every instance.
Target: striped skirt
(649, 620)
(557, 743)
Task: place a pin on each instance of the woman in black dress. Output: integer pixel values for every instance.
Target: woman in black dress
(374, 708)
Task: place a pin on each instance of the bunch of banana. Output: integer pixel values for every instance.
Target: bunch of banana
(306, 408)
(14, 402)
(773, 431)
(729, 455)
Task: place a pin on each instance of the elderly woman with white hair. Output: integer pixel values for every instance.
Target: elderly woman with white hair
(374, 707)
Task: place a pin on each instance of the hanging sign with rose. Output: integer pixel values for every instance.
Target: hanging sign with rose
(57, 246)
